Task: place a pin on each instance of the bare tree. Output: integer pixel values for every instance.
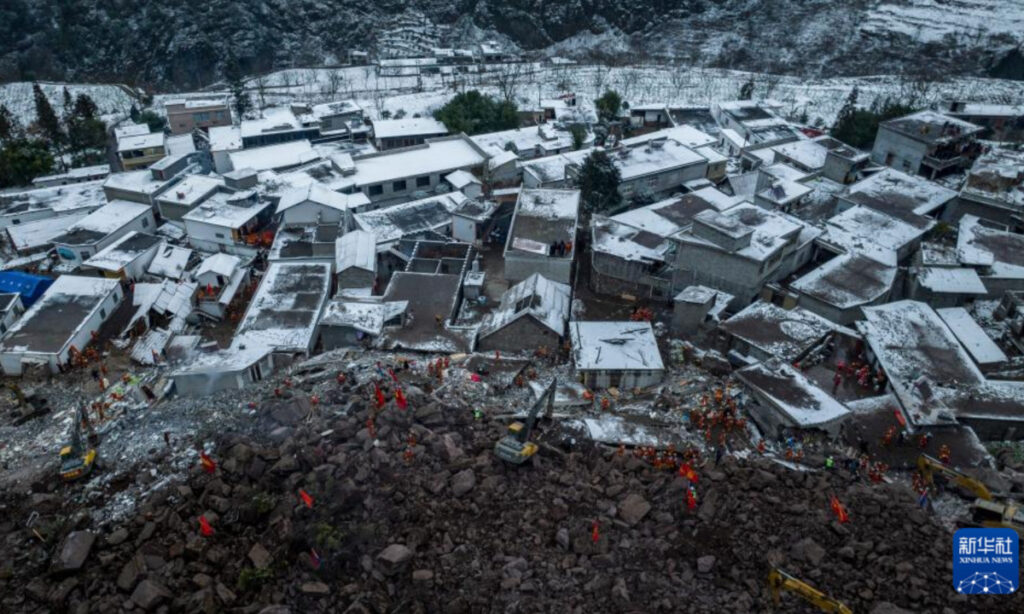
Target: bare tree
(261, 90)
(507, 79)
(335, 80)
(598, 79)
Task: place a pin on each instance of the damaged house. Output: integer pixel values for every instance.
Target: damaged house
(622, 355)
(532, 314)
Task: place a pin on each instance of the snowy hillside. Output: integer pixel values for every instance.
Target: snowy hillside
(113, 101)
(931, 20)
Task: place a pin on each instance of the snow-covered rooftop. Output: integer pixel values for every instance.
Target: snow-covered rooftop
(911, 341)
(408, 126)
(769, 230)
(356, 249)
(225, 138)
(684, 135)
(393, 223)
(785, 333)
(368, 317)
(1001, 252)
(546, 301)
(274, 119)
(286, 308)
(102, 222)
(801, 402)
(907, 197)
(809, 154)
(63, 198)
(229, 211)
(876, 228)
(998, 177)
(530, 140)
(972, 336)
(542, 217)
(130, 129)
(441, 155)
(653, 158)
(218, 264)
(945, 280)
(627, 242)
(51, 323)
(322, 195)
(460, 179)
(140, 141)
(931, 127)
(170, 261)
(36, 234)
(848, 280)
(123, 252)
(140, 182)
(191, 190)
(338, 107)
(614, 346)
(272, 157)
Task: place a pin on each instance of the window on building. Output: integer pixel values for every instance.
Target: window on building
(398, 186)
(84, 255)
(3, 327)
(423, 182)
(145, 222)
(15, 221)
(906, 165)
(219, 235)
(103, 313)
(375, 190)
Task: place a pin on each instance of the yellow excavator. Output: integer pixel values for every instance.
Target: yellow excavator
(516, 447)
(985, 511)
(929, 466)
(779, 581)
(77, 457)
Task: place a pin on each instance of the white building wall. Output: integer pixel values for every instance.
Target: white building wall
(310, 213)
(76, 254)
(463, 229)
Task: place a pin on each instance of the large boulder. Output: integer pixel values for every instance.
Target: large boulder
(633, 508)
(149, 594)
(74, 551)
(394, 558)
(463, 482)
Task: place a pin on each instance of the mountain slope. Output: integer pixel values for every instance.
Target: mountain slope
(185, 43)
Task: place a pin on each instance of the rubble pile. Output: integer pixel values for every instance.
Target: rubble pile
(340, 507)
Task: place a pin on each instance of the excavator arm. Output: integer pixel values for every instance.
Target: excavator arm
(929, 465)
(779, 581)
(516, 447)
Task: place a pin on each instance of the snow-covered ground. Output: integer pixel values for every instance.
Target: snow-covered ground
(930, 20)
(114, 101)
(821, 99)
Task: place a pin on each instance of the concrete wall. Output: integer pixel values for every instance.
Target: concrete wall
(464, 229)
(334, 337)
(353, 277)
(967, 206)
(520, 265)
(624, 380)
(172, 211)
(523, 335)
(906, 152)
(183, 120)
(204, 384)
(310, 213)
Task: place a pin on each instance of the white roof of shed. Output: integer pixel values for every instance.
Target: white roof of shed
(944, 280)
(356, 249)
(546, 301)
(218, 264)
(978, 344)
(407, 126)
(322, 195)
(614, 346)
(271, 157)
(170, 261)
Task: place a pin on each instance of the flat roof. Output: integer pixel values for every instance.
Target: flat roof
(848, 280)
(946, 280)
(907, 197)
(997, 175)
(40, 233)
(810, 153)
(544, 216)
(931, 127)
(131, 129)
(368, 317)
(271, 157)
(786, 333)
(770, 230)
(63, 198)
(274, 119)
(614, 346)
(634, 162)
(428, 295)
(973, 337)
(879, 228)
(123, 252)
(218, 264)
(225, 138)
(1000, 251)
(139, 182)
(218, 210)
(798, 398)
(140, 141)
(285, 311)
(911, 341)
(191, 190)
(407, 126)
(435, 156)
(51, 322)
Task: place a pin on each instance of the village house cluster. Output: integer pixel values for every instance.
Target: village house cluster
(838, 284)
